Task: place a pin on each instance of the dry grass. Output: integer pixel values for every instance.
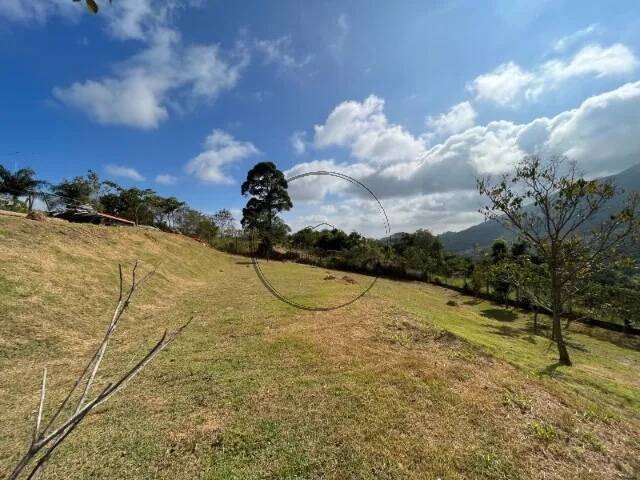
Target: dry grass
(396, 385)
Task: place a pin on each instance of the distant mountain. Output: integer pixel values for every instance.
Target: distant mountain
(484, 234)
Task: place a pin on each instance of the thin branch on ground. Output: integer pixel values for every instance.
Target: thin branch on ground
(46, 440)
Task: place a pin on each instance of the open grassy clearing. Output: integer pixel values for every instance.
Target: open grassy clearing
(397, 385)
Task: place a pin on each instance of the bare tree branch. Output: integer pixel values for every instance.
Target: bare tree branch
(46, 440)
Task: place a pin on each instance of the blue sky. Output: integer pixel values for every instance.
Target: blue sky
(414, 98)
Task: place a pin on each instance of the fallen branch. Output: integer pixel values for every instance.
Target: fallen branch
(46, 440)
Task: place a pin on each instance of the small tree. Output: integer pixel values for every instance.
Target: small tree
(268, 190)
(21, 183)
(548, 204)
(224, 221)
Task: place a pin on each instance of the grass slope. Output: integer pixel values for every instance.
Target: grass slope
(397, 385)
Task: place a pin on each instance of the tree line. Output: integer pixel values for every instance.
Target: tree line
(20, 189)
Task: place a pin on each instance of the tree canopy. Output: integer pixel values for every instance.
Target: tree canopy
(546, 201)
(267, 187)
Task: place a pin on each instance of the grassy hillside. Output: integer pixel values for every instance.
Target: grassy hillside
(397, 385)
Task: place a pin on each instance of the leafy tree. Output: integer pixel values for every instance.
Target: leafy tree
(499, 275)
(21, 183)
(224, 221)
(548, 204)
(335, 240)
(614, 294)
(499, 250)
(131, 203)
(519, 249)
(165, 210)
(480, 276)
(268, 190)
(421, 251)
(304, 239)
(79, 190)
(206, 230)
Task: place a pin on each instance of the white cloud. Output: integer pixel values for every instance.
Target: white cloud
(38, 11)
(569, 40)
(278, 51)
(298, 142)
(339, 37)
(509, 83)
(131, 19)
(365, 130)
(221, 149)
(166, 179)
(125, 172)
(592, 60)
(314, 188)
(164, 75)
(502, 85)
(142, 89)
(438, 190)
(459, 117)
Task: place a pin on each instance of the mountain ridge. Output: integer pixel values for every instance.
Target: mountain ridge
(482, 235)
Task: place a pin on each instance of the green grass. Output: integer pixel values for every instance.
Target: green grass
(396, 385)
(605, 371)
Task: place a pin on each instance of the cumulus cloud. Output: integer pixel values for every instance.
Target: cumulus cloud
(364, 129)
(509, 83)
(437, 190)
(164, 74)
(460, 117)
(124, 172)
(315, 188)
(502, 85)
(166, 179)
(221, 149)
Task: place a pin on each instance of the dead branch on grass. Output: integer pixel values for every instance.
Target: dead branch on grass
(46, 440)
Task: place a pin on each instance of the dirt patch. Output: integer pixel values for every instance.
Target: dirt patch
(349, 279)
(37, 216)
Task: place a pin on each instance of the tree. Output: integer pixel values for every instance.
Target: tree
(548, 204)
(206, 229)
(500, 270)
(132, 203)
(421, 251)
(304, 239)
(79, 190)
(22, 183)
(499, 250)
(166, 210)
(268, 190)
(224, 221)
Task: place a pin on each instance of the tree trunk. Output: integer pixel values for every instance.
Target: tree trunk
(557, 326)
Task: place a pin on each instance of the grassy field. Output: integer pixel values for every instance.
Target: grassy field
(410, 381)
